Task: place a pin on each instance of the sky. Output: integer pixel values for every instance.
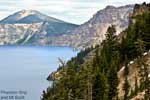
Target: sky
(74, 11)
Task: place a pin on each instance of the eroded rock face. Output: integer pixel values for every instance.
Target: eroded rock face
(93, 32)
(12, 33)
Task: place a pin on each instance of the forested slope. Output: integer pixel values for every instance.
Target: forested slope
(109, 66)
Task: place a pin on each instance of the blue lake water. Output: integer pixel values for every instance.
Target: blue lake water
(25, 68)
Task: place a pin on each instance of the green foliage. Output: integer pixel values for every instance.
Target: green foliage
(137, 33)
(126, 85)
(113, 83)
(100, 87)
(79, 59)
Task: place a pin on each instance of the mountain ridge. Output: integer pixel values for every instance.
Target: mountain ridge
(20, 15)
(89, 33)
(13, 33)
(93, 31)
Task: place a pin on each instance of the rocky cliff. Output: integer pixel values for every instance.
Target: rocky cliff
(93, 31)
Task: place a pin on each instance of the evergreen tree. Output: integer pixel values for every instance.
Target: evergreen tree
(111, 33)
(126, 88)
(126, 83)
(112, 59)
(136, 86)
(100, 87)
(126, 69)
(113, 83)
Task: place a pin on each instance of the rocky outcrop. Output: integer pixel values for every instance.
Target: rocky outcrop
(133, 76)
(14, 33)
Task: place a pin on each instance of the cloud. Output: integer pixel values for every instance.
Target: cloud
(75, 11)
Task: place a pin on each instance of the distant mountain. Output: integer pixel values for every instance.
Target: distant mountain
(93, 31)
(29, 16)
(32, 27)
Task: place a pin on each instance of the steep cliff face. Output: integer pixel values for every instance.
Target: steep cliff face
(140, 9)
(93, 32)
(134, 78)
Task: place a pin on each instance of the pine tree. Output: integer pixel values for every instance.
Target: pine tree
(100, 87)
(126, 83)
(136, 86)
(113, 82)
(110, 45)
(110, 33)
(126, 88)
(111, 53)
(126, 70)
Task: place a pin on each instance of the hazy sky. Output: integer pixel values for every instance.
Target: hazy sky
(75, 11)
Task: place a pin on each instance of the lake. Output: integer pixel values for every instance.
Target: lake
(24, 69)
